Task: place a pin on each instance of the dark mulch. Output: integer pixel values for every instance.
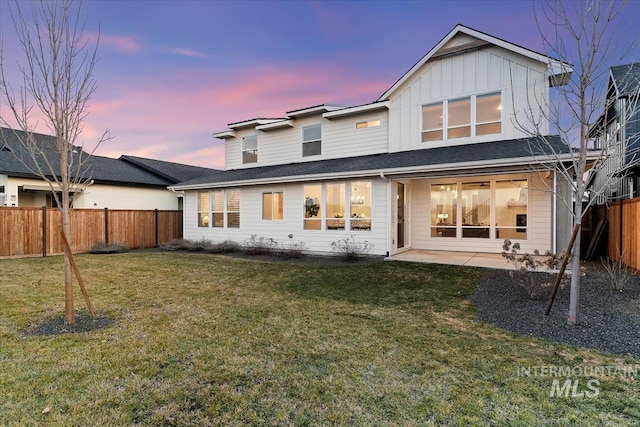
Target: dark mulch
(308, 259)
(607, 320)
(58, 326)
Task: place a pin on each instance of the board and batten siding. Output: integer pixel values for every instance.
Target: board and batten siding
(521, 81)
(316, 241)
(539, 218)
(340, 138)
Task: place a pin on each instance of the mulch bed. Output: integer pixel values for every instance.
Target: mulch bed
(607, 320)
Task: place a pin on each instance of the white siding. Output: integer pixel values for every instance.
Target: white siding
(340, 138)
(96, 196)
(521, 81)
(251, 222)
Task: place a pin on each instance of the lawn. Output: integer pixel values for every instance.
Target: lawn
(209, 340)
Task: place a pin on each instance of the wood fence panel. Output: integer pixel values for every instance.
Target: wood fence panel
(87, 229)
(21, 229)
(624, 236)
(169, 226)
(135, 229)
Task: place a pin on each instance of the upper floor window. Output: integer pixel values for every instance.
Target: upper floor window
(250, 149)
(311, 140)
(488, 114)
(368, 124)
(455, 119)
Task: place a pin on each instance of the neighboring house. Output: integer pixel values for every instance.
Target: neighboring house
(435, 163)
(125, 183)
(617, 132)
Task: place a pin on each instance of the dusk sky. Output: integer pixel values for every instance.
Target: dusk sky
(171, 73)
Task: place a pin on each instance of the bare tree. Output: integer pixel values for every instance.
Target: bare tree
(58, 80)
(582, 37)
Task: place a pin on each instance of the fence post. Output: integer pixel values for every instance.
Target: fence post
(621, 250)
(44, 231)
(156, 217)
(106, 226)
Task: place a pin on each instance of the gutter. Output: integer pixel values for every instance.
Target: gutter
(520, 161)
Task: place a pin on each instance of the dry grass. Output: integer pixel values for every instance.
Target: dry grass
(208, 340)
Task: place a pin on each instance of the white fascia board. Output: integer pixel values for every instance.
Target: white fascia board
(287, 123)
(252, 123)
(556, 68)
(520, 161)
(225, 134)
(360, 109)
(317, 109)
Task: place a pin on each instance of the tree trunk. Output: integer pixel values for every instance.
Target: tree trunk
(574, 299)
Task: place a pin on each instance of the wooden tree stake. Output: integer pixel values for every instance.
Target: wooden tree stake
(576, 229)
(77, 272)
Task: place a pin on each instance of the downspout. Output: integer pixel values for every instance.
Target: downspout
(389, 210)
(554, 243)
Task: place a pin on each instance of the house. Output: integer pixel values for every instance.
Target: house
(128, 182)
(617, 133)
(437, 162)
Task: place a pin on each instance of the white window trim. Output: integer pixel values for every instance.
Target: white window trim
(319, 125)
(473, 123)
(245, 150)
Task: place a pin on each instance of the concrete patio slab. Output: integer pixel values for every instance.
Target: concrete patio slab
(470, 259)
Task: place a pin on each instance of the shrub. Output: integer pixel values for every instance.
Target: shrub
(616, 273)
(226, 247)
(202, 245)
(535, 284)
(111, 248)
(350, 249)
(293, 249)
(260, 245)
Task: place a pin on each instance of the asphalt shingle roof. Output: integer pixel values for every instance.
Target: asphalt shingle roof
(627, 78)
(508, 149)
(132, 171)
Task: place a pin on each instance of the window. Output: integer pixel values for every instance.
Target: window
(459, 122)
(203, 209)
(360, 201)
(312, 207)
(233, 208)
(459, 118)
(369, 124)
(488, 114)
(217, 208)
(444, 210)
(250, 149)
(336, 206)
(432, 122)
(213, 215)
(511, 209)
(311, 140)
(272, 206)
(476, 209)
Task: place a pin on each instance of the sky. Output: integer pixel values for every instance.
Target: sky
(172, 73)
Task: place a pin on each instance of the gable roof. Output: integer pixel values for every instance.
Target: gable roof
(557, 69)
(174, 172)
(132, 171)
(626, 78)
(454, 159)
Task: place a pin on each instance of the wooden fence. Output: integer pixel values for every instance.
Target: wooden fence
(624, 232)
(36, 231)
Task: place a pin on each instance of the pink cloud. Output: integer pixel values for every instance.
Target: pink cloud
(123, 43)
(188, 52)
(175, 122)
